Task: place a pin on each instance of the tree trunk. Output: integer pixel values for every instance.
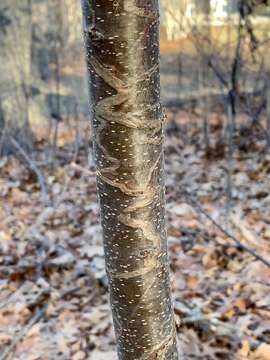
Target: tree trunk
(122, 45)
(15, 74)
(268, 106)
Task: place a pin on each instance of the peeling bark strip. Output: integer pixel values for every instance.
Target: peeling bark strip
(122, 46)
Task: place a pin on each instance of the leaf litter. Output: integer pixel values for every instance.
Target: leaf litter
(53, 289)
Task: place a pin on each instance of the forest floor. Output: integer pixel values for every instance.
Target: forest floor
(53, 288)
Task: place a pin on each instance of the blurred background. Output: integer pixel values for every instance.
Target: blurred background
(215, 81)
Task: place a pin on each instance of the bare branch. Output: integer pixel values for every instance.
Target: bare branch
(36, 317)
(34, 168)
(242, 246)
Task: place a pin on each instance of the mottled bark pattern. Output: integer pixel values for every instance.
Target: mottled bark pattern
(122, 42)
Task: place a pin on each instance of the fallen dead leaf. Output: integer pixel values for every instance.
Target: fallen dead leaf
(262, 352)
(99, 355)
(245, 348)
(80, 355)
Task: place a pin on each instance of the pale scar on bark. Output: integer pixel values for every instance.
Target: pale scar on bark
(144, 193)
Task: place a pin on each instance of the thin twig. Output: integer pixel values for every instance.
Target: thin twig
(34, 168)
(45, 214)
(230, 134)
(34, 319)
(208, 323)
(242, 246)
(82, 169)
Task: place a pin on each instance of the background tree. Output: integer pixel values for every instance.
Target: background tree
(37, 81)
(122, 45)
(16, 44)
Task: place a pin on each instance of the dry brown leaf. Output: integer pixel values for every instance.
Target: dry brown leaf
(79, 355)
(245, 348)
(262, 352)
(209, 260)
(100, 355)
(192, 281)
(240, 304)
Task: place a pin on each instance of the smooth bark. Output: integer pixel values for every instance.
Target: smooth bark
(122, 46)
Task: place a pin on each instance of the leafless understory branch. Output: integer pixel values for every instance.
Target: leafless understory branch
(34, 319)
(33, 166)
(196, 205)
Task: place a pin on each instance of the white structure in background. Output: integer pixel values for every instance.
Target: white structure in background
(219, 8)
(179, 16)
(222, 10)
(190, 10)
